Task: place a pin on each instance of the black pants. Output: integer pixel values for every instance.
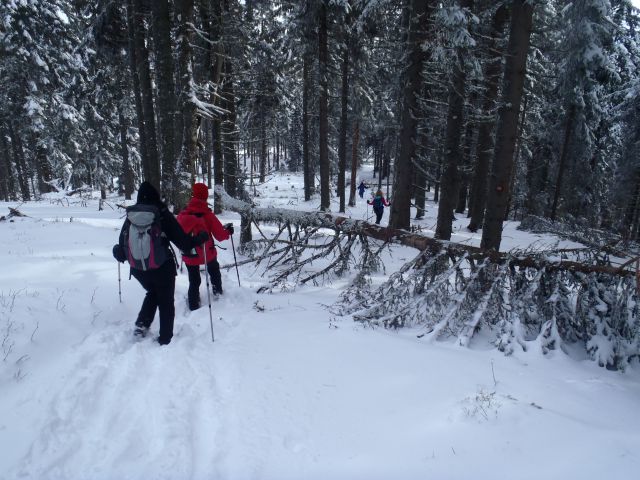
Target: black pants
(160, 285)
(213, 267)
(378, 212)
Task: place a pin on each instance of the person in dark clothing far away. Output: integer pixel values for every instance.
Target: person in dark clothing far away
(195, 218)
(361, 188)
(378, 202)
(144, 241)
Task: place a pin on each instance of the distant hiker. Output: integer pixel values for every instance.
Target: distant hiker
(195, 218)
(144, 242)
(378, 202)
(361, 188)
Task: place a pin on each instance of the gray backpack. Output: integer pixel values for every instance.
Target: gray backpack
(143, 238)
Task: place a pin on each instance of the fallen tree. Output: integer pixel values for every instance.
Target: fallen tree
(13, 212)
(521, 299)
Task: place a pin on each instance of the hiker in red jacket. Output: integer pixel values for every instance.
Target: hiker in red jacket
(378, 202)
(198, 217)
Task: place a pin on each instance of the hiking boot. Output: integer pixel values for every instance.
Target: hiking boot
(140, 332)
(141, 329)
(193, 301)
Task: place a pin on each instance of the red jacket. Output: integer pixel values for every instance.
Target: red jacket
(384, 201)
(198, 217)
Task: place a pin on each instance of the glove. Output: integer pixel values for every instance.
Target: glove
(201, 238)
(118, 253)
(229, 228)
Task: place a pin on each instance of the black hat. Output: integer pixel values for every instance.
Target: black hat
(148, 194)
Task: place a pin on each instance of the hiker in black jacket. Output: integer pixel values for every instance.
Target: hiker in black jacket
(158, 275)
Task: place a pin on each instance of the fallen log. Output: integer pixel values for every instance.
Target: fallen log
(415, 240)
(13, 212)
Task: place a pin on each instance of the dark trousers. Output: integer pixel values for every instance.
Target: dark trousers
(378, 212)
(213, 267)
(160, 285)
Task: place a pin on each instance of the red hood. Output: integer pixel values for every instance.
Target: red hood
(196, 205)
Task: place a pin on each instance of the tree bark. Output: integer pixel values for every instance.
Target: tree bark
(400, 215)
(230, 134)
(152, 168)
(167, 106)
(342, 145)
(186, 96)
(135, 82)
(354, 163)
(6, 173)
(323, 59)
(414, 240)
(306, 160)
(450, 179)
(513, 83)
(263, 147)
(127, 172)
(484, 146)
(19, 160)
(568, 130)
(420, 180)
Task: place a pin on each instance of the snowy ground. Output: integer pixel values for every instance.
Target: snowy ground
(287, 391)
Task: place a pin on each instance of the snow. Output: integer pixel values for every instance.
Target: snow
(287, 390)
(62, 16)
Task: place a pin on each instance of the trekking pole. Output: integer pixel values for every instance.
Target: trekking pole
(235, 261)
(206, 278)
(119, 284)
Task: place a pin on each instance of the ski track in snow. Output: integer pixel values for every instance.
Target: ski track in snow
(210, 414)
(118, 390)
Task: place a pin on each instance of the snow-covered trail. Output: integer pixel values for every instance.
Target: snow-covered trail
(285, 392)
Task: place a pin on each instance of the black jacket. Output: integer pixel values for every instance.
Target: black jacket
(148, 195)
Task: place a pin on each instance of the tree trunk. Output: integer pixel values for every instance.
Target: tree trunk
(263, 147)
(450, 179)
(484, 146)
(419, 194)
(463, 190)
(568, 130)
(306, 161)
(354, 163)
(43, 168)
(400, 216)
(6, 174)
(521, 124)
(135, 82)
(215, 78)
(507, 127)
(414, 240)
(152, 168)
(127, 173)
(19, 160)
(170, 130)
(230, 134)
(323, 58)
(189, 148)
(342, 145)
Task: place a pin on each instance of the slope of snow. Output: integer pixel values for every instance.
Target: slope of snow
(286, 391)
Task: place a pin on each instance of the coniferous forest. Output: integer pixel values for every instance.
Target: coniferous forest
(507, 109)
(521, 110)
